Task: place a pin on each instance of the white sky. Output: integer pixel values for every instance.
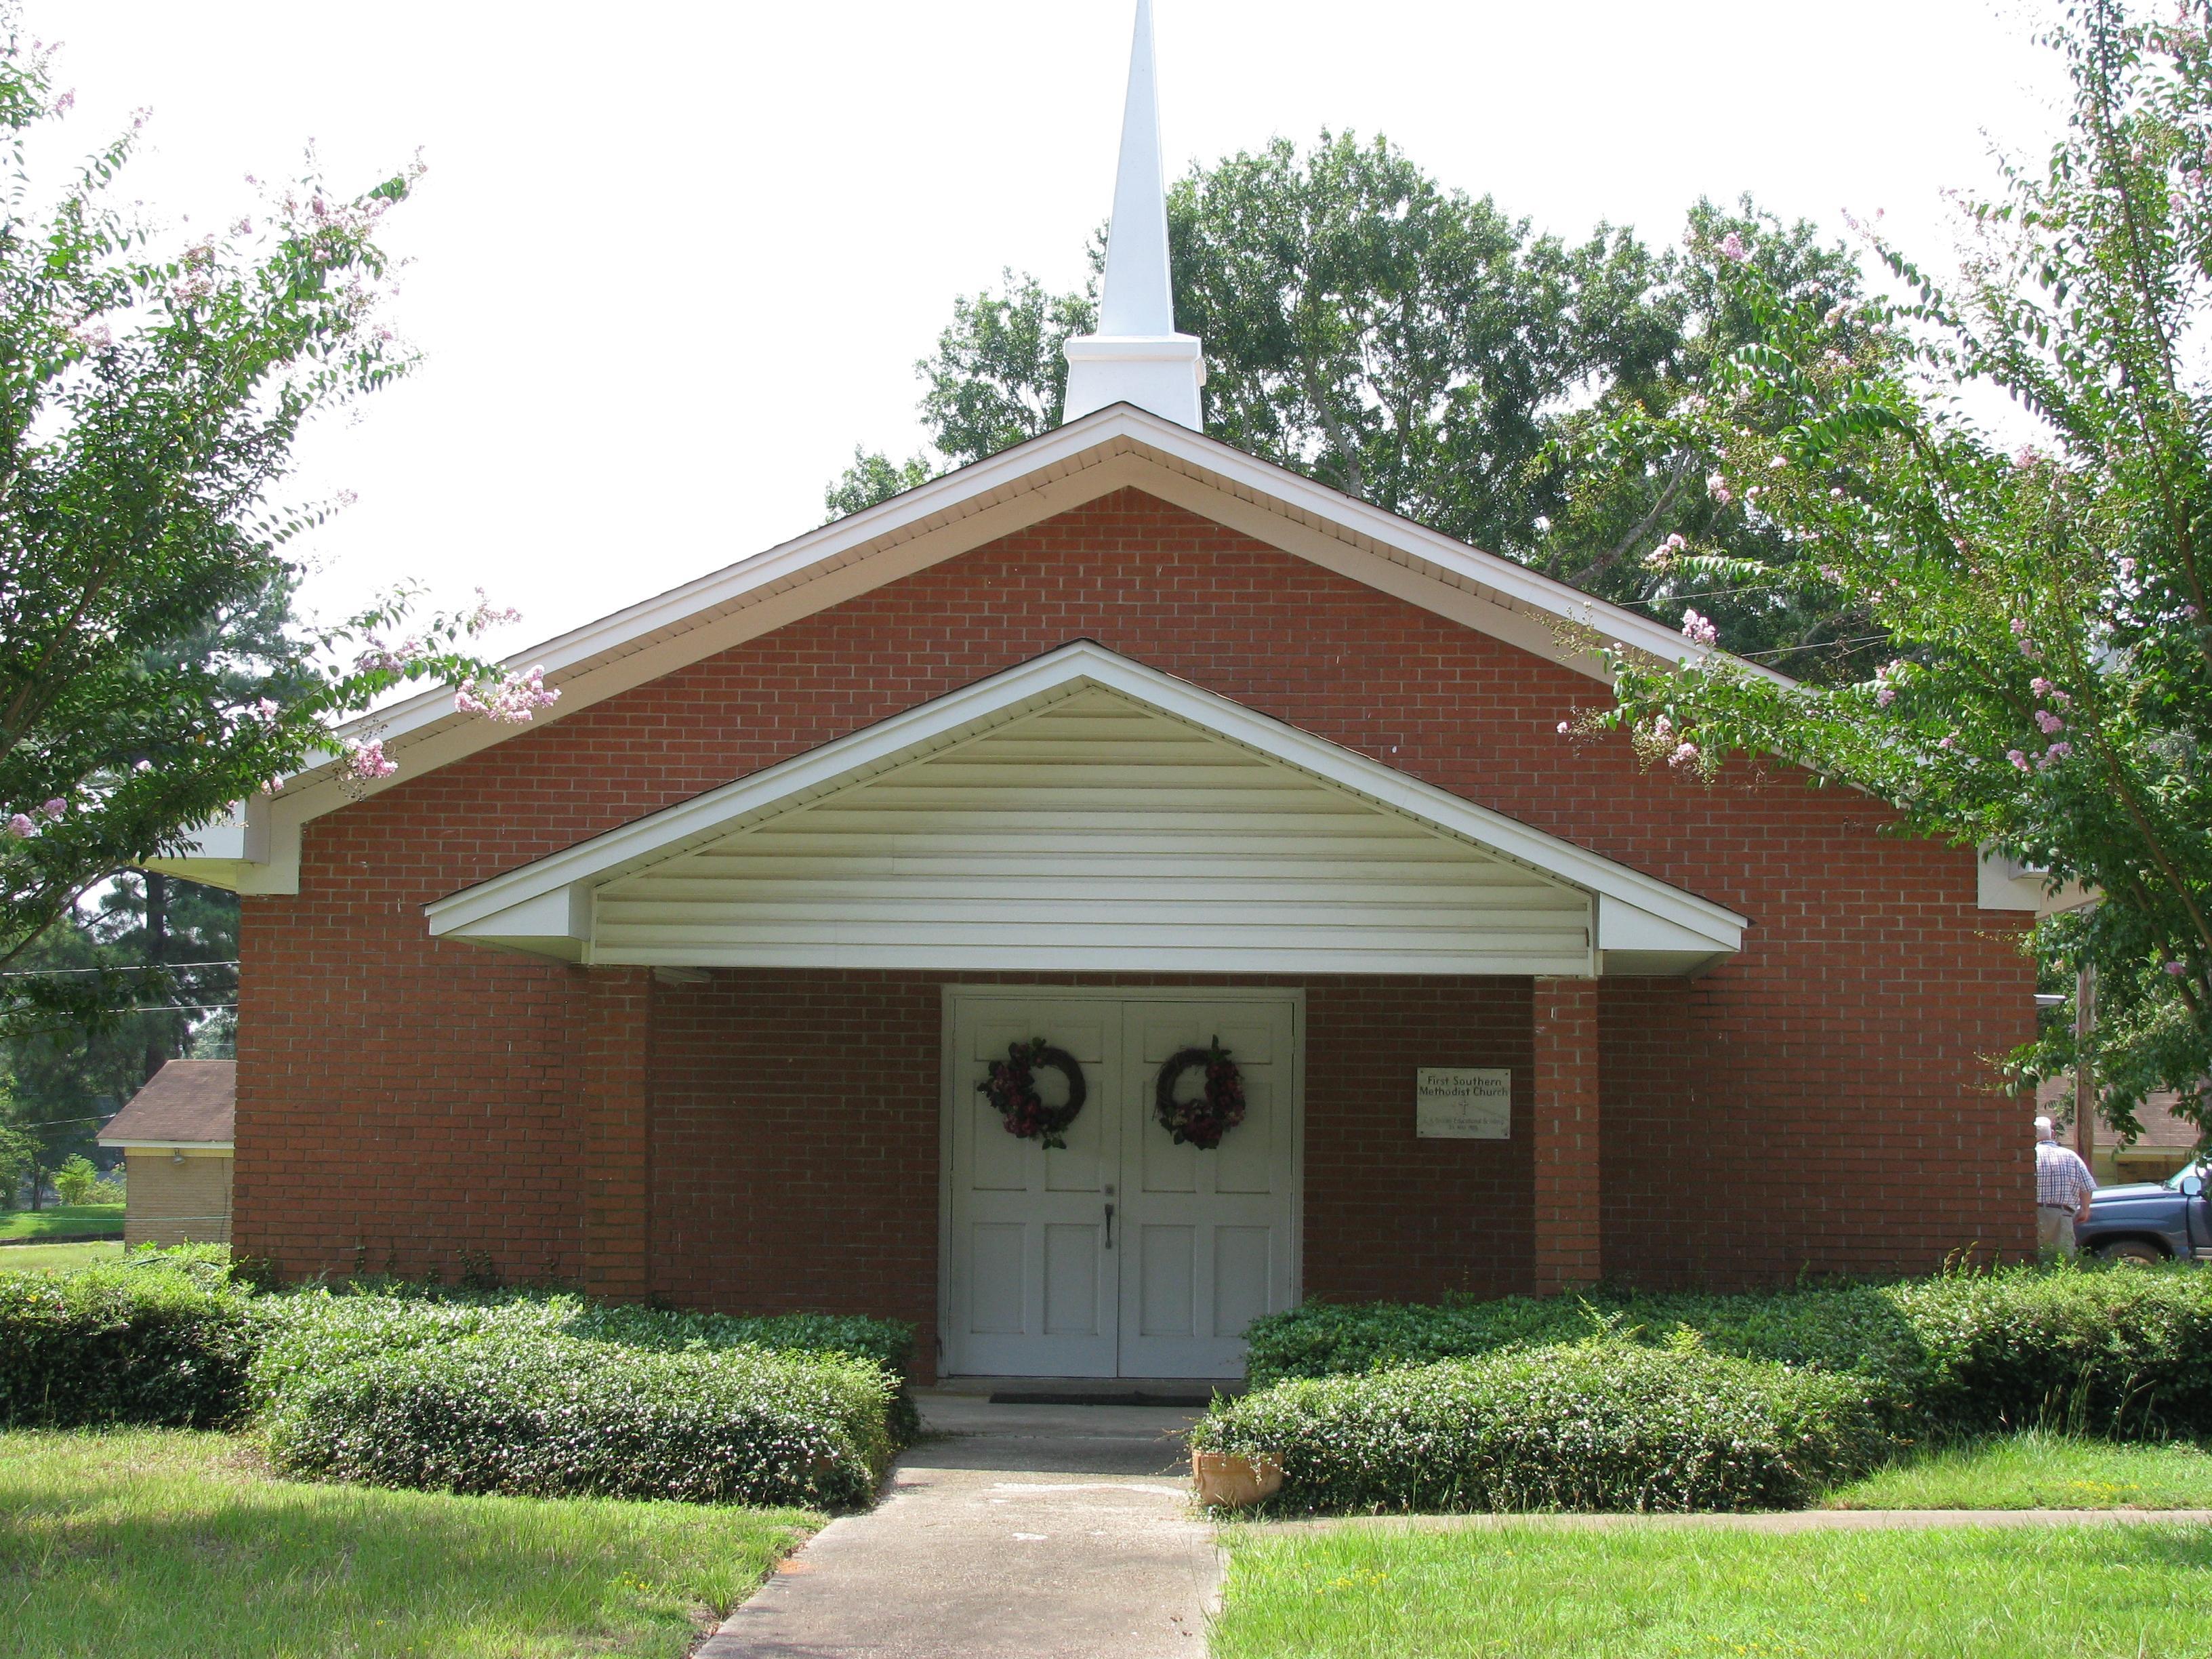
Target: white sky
(669, 268)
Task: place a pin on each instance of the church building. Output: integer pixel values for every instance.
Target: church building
(1116, 890)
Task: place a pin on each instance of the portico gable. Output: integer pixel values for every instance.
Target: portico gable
(1083, 811)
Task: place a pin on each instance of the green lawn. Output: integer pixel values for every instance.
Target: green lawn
(59, 1258)
(153, 1544)
(63, 1221)
(2039, 1472)
(1649, 1592)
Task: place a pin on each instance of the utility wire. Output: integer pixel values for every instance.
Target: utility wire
(125, 967)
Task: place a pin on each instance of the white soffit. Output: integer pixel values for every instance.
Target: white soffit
(1114, 448)
(1084, 811)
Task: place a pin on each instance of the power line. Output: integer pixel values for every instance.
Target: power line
(123, 968)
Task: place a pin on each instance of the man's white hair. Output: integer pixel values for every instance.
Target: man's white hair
(2045, 1129)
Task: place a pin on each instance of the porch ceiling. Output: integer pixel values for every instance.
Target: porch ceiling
(1082, 812)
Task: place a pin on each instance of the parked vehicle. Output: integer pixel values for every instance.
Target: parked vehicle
(2167, 1220)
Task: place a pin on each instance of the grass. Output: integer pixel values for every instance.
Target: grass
(2039, 1472)
(59, 1258)
(2128, 1592)
(147, 1544)
(63, 1221)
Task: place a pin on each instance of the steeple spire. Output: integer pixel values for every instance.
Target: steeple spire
(1137, 356)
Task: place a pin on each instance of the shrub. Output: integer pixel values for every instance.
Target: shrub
(2108, 1350)
(1602, 1425)
(77, 1182)
(550, 1415)
(310, 1333)
(2122, 1352)
(155, 1338)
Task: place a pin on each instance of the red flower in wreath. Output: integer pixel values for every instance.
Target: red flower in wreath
(1219, 1109)
(1011, 1089)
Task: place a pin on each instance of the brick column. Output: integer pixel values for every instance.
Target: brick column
(1566, 1134)
(617, 1175)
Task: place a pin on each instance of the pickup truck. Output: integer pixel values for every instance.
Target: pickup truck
(2168, 1220)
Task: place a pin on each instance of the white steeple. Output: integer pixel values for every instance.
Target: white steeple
(1136, 356)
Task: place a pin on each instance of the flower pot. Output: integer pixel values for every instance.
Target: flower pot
(1227, 1481)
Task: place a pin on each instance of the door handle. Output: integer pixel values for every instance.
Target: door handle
(1109, 1226)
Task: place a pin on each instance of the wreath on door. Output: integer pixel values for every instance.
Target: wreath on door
(1217, 1109)
(1011, 1087)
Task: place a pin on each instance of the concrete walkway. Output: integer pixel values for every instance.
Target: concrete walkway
(1032, 1532)
(1775, 1521)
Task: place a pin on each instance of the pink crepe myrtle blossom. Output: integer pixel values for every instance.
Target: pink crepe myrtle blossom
(1733, 250)
(364, 762)
(2048, 723)
(2058, 751)
(1562, 728)
(22, 827)
(2177, 969)
(486, 614)
(1663, 728)
(1778, 463)
(1950, 740)
(511, 700)
(93, 335)
(1684, 755)
(2190, 612)
(1716, 486)
(54, 809)
(2041, 687)
(274, 786)
(2018, 628)
(2017, 759)
(1699, 629)
(143, 766)
(2127, 570)
(382, 658)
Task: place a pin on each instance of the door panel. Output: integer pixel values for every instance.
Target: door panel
(1209, 1232)
(1202, 1243)
(1035, 1292)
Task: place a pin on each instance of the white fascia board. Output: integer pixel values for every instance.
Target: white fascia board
(485, 909)
(1116, 448)
(189, 1148)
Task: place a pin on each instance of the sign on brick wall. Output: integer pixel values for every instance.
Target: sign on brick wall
(1456, 1102)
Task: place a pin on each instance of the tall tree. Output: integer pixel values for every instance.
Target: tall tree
(1420, 349)
(2048, 687)
(151, 395)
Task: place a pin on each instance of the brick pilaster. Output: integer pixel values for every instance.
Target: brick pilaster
(618, 1176)
(1565, 1132)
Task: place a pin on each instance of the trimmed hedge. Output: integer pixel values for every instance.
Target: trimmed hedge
(310, 1333)
(546, 1415)
(2107, 1351)
(1597, 1425)
(151, 1339)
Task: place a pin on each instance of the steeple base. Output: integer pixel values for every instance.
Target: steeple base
(1161, 373)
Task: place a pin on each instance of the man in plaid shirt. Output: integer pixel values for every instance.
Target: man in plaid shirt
(2062, 1186)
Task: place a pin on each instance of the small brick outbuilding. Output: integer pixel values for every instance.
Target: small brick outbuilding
(176, 1140)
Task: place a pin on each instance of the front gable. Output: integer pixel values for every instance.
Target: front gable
(1083, 811)
(1084, 463)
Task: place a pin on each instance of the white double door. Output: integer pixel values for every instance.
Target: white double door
(1123, 1254)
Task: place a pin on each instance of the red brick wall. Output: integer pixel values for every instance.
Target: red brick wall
(405, 1100)
(795, 1143)
(1565, 1130)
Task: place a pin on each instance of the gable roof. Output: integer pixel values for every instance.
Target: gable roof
(257, 850)
(188, 1102)
(1554, 907)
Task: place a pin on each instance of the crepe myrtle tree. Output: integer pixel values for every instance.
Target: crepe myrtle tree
(2047, 687)
(149, 401)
